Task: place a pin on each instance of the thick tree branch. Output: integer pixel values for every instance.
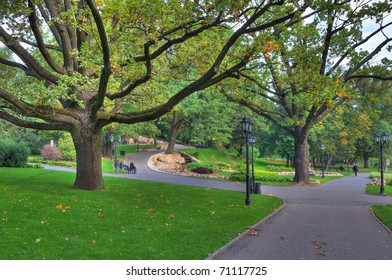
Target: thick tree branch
(43, 112)
(106, 70)
(180, 39)
(139, 81)
(377, 77)
(52, 27)
(66, 45)
(353, 47)
(273, 116)
(40, 42)
(31, 124)
(366, 59)
(26, 57)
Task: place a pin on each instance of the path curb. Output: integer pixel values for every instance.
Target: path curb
(243, 234)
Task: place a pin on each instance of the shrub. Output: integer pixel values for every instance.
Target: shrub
(262, 177)
(202, 170)
(222, 165)
(50, 152)
(67, 148)
(194, 165)
(12, 154)
(275, 168)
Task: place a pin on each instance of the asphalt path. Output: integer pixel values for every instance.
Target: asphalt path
(329, 222)
(332, 221)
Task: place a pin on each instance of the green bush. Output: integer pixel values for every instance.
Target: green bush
(194, 165)
(13, 154)
(262, 177)
(67, 148)
(276, 168)
(52, 162)
(387, 177)
(222, 165)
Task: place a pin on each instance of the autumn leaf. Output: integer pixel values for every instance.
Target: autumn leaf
(252, 232)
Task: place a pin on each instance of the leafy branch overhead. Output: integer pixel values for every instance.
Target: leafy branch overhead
(91, 55)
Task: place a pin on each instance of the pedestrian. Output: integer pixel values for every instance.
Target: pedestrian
(132, 167)
(355, 169)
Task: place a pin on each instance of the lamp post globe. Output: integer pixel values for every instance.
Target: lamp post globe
(322, 147)
(246, 125)
(377, 138)
(384, 137)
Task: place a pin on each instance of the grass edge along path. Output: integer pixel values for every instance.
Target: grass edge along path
(384, 214)
(42, 217)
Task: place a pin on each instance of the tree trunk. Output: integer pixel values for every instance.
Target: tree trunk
(175, 130)
(366, 160)
(301, 158)
(88, 143)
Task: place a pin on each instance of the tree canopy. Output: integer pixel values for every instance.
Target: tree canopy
(79, 61)
(311, 65)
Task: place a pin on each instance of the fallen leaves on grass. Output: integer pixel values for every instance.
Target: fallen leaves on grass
(63, 208)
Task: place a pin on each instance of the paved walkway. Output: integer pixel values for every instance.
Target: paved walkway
(332, 221)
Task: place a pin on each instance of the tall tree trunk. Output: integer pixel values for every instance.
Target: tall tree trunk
(301, 157)
(88, 143)
(175, 130)
(366, 160)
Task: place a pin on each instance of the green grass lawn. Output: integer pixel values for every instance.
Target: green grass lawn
(376, 190)
(42, 217)
(384, 213)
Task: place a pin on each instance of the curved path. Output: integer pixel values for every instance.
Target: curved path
(332, 221)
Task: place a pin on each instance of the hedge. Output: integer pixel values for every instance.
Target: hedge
(13, 154)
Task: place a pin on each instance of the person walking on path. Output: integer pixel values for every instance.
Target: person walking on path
(356, 169)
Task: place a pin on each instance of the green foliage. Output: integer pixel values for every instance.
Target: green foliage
(52, 162)
(276, 168)
(261, 177)
(13, 154)
(387, 177)
(66, 146)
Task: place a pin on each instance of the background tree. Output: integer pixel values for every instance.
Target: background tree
(309, 66)
(78, 62)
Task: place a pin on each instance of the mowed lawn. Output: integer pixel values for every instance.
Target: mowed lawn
(42, 217)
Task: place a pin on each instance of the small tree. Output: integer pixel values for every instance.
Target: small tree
(49, 152)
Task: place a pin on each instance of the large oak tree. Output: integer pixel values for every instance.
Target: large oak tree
(311, 65)
(80, 61)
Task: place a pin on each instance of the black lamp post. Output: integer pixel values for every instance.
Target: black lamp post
(381, 140)
(246, 125)
(112, 150)
(252, 141)
(322, 160)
